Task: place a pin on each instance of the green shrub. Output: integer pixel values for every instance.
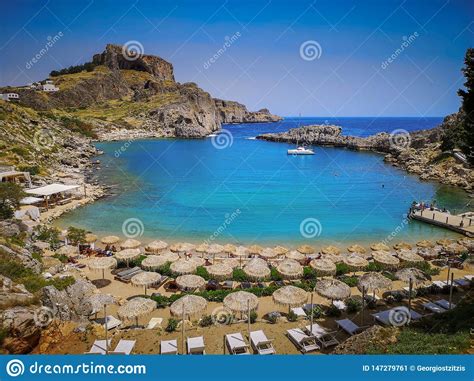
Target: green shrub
(317, 312)
(206, 321)
(202, 272)
(353, 305)
(10, 197)
(32, 169)
(165, 269)
(333, 311)
(47, 234)
(272, 319)
(292, 316)
(342, 268)
(374, 266)
(253, 317)
(351, 281)
(239, 275)
(77, 236)
(172, 325)
(62, 283)
(309, 273)
(275, 275)
(63, 258)
(161, 301)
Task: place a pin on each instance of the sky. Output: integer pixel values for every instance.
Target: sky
(308, 58)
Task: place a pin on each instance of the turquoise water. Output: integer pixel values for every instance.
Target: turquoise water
(252, 191)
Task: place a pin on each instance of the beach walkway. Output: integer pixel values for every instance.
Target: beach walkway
(458, 223)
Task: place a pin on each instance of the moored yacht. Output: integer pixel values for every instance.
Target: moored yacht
(300, 151)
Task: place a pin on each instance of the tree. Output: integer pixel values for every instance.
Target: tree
(468, 106)
(76, 236)
(10, 196)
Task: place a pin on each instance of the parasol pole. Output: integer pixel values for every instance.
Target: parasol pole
(363, 306)
(449, 271)
(312, 314)
(410, 289)
(103, 274)
(451, 290)
(248, 315)
(105, 316)
(182, 331)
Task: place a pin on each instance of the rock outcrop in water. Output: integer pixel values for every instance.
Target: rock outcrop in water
(235, 112)
(416, 152)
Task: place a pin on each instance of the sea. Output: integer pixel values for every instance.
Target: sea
(232, 188)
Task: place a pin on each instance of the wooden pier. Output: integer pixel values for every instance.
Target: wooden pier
(457, 223)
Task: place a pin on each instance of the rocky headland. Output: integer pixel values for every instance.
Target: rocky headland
(417, 152)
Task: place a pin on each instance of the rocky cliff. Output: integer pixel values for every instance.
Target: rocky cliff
(126, 97)
(417, 152)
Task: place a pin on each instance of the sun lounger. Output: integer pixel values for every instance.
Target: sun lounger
(433, 307)
(127, 271)
(98, 348)
(349, 326)
(127, 277)
(154, 322)
(309, 307)
(303, 342)
(228, 285)
(245, 285)
(261, 344)
(444, 303)
(443, 284)
(326, 338)
(384, 317)
(169, 347)
(298, 311)
(195, 345)
(124, 347)
(112, 322)
(462, 282)
(469, 277)
(236, 344)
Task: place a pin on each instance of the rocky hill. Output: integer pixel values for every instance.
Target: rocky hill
(123, 97)
(417, 152)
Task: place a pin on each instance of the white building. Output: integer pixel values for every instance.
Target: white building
(49, 87)
(9, 96)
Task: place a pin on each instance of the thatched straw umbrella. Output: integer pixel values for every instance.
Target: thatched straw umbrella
(296, 255)
(425, 243)
(183, 266)
(136, 308)
(153, 262)
(102, 264)
(385, 259)
(110, 240)
(90, 238)
(379, 246)
(305, 249)
(257, 269)
(241, 301)
(355, 262)
(130, 244)
(402, 246)
(411, 274)
(220, 271)
(145, 279)
(127, 255)
(280, 250)
(202, 248)
(290, 296)
(188, 305)
(333, 289)
(357, 249)
(156, 247)
(373, 282)
(255, 249)
(229, 248)
(241, 251)
(331, 250)
(182, 247)
(170, 256)
(231, 262)
(190, 282)
(215, 249)
(290, 269)
(68, 250)
(455, 249)
(429, 253)
(99, 301)
(268, 253)
(323, 267)
(335, 258)
(409, 256)
(197, 260)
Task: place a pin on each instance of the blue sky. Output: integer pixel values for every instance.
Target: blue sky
(263, 66)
